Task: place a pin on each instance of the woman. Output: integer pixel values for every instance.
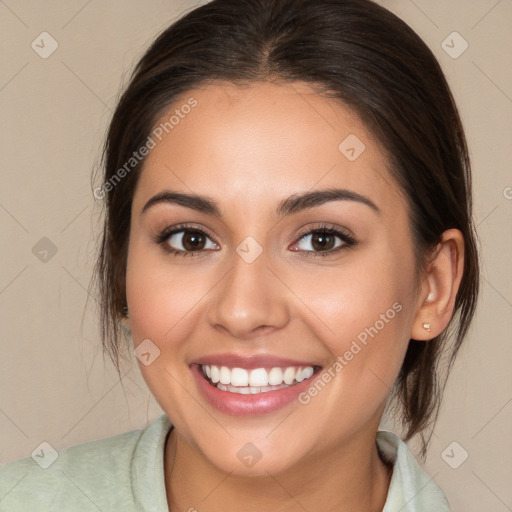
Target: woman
(288, 238)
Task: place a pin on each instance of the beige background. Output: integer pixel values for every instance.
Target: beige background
(55, 384)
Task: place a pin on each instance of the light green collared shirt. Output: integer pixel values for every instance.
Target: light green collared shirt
(125, 473)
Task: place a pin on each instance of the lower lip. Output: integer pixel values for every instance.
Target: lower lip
(248, 405)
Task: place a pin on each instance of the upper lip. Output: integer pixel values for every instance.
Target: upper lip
(250, 362)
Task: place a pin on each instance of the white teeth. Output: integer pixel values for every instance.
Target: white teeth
(249, 390)
(239, 377)
(307, 372)
(304, 373)
(214, 373)
(275, 376)
(258, 380)
(258, 377)
(289, 375)
(224, 375)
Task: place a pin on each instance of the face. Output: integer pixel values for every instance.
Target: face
(269, 248)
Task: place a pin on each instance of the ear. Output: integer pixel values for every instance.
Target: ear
(439, 288)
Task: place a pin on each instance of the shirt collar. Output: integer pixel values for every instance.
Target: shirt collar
(147, 477)
(411, 489)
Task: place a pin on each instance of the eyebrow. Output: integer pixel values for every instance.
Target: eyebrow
(288, 206)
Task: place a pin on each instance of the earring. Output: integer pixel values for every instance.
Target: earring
(125, 311)
(426, 326)
(429, 297)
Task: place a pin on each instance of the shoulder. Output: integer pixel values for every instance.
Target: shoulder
(411, 488)
(87, 476)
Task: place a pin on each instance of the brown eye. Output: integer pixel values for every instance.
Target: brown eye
(188, 240)
(323, 241)
(320, 241)
(193, 241)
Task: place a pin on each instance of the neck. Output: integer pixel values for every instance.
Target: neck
(351, 477)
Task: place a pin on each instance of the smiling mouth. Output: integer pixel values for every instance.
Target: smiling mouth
(257, 380)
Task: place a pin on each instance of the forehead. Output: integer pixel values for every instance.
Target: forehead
(259, 142)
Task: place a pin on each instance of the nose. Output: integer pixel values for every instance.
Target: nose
(249, 301)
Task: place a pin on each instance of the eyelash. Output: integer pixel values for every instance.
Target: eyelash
(347, 239)
(164, 236)
(345, 236)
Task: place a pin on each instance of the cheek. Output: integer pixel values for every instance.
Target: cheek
(368, 314)
(163, 301)
(363, 313)
(159, 295)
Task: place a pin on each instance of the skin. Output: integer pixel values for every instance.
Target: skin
(248, 148)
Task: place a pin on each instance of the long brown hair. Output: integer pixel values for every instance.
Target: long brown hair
(354, 51)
